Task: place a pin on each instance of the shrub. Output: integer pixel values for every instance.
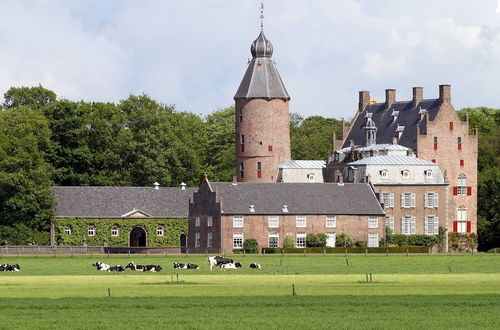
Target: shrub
(388, 236)
(344, 240)
(289, 241)
(250, 245)
(316, 240)
(414, 240)
(360, 244)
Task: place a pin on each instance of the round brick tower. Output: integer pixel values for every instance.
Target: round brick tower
(262, 118)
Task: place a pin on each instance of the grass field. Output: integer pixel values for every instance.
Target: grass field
(418, 291)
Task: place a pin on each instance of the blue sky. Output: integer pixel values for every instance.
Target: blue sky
(193, 53)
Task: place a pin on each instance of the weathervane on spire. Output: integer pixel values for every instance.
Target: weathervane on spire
(262, 16)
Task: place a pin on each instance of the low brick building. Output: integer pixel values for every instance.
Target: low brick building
(223, 214)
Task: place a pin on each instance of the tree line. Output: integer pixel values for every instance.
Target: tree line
(46, 140)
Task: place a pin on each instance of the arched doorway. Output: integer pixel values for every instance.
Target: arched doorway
(137, 237)
(182, 240)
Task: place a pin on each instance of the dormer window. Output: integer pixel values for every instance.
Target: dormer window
(310, 177)
(384, 175)
(285, 208)
(428, 174)
(421, 114)
(335, 157)
(252, 208)
(399, 131)
(405, 174)
(395, 115)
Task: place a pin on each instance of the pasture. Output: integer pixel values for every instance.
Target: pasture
(416, 291)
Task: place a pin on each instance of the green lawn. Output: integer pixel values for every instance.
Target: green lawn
(419, 291)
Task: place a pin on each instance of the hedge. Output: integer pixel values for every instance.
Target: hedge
(494, 250)
(79, 231)
(397, 249)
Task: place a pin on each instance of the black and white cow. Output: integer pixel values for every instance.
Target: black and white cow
(180, 266)
(231, 265)
(192, 266)
(116, 268)
(218, 261)
(10, 268)
(255, 266)
(134, 267)
(101, 266)
(152, 268)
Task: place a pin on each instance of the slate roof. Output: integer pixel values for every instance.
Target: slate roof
(306, 164)
(386, 129)
(300, 198)
(392, 160)
(113, 202)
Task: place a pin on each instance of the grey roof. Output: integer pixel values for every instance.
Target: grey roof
(114, 202)
(378, 147)
(262, 80)
(408, 117)
(392, 160)
(306, 164)
(300, 198)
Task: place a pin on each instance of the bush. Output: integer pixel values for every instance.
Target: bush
(20, 234)
(344, 240)
(316, 240)
(250, 245)
(414, 240)
(360, 244)
(289, 241)
(341, 250)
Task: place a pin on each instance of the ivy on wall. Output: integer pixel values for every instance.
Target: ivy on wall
(79, 231)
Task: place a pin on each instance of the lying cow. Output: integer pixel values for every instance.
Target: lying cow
(135, 267)
(101, 266)
(255, 266)
(152, 268)
(185, 266)
(232, 265)
(9, 268)
(116, 268)
(218, 261)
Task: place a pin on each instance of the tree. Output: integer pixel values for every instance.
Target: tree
(32, 97)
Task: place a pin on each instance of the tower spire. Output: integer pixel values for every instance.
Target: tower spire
(261, 16)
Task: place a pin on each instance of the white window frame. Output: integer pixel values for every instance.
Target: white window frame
(160, 231)
(237, 240)
(273, 221)
(462, 219)
(238, 221)
(115, 231)
(331, 239)
(389, 222)
(331, 221)
(431, 200)
(310, 178)
(372, 240)
(275, 242)
(462, 185)
(91, 231)
(387, 199)
(372, 222)
(300, 240)
(210, 221)
(67, 230)
(209, 239)
(408, 225)
(384, 175)
(405, 174)
(431, 225)
(197, 221)
(301, 221)
(428, 174)
(197, 240)
(407, 200)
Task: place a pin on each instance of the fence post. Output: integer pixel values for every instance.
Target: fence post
(407, 252)
(366, 252)
(293, 290)
(283, 252)
(324, 252)
(345, 252)
(386, 252)
(264, 251)
(429, 250)
(304, 252)
(129, 252)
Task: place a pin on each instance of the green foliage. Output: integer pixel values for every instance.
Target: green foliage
(360, 244)
(356, 250)
(32, 97)
(344, 240)
(79, 231)
(250, 245)
(20, 234)
(416, 240)
(316, 240)
(462, 241)
(289, 241)
(441, 238)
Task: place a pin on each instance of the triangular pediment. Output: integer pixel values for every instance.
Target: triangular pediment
(136, 213)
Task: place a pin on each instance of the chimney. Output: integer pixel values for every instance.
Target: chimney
(444, 93)
(157, 185)
(340, 177)
(235, 182)
(394, 140)
(418, 95)
(351, 143)
(390, 97)
(183, 186)
(364, 100)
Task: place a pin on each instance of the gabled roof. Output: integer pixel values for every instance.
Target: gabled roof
(117, 202)
(305, 164)
(300, 198)
(408, 116)
(392, 160)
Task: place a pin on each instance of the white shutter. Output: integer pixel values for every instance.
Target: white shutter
(402, 200)
(391, 200)
(426, 224)
(403, 225)
(436, 225)
(381, 197)
(412, 200)
(436, 200)
(413, 225)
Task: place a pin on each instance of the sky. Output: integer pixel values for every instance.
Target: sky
(193, 54)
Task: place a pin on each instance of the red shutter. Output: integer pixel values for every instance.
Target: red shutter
(468, 226)
(241, 118)
(459, 146)
(435, 146)
(433, 160)
(269, 148)
(451, 126)
(455, 226)
(259, 174)
(455, 190)
(469, 191)
(242, 147)
(461, 162)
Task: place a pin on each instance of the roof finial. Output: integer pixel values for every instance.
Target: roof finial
(262, 16)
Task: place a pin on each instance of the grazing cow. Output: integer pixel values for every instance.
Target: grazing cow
(218, 261)
(116, 268)
(192, 266)
(134, 267)
(255, 266)
(152, 268)
(101, 265)
(10, 268)
(232, 265)
(180, 266)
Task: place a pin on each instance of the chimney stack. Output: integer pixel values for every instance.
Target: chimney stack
(418, 95)
(390, 97)
(183, 186)
(235, 182)
(364, 100)
(444, 93)
(340, 177)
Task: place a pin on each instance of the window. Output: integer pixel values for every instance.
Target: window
(431, 225)
(372, 239)
(462, 185)
(242, 143)
(273, 221)
(372, 222)
(209, 240)
(238, 221)
(451, 126)
(67, 230)
(310, 177)
(197, 221)
(209, 221)
(408, 225)
(461, 220)
(241, 114)
(435, 143)
(389, 222)
(273, 240)
(300, 221)
(387, 199)
(331, 221)
(91, 231)
(114, 231)
(462, 162)
(238, 240)
(428, 174)
(160, 231)
(384, 175)
(197, 240)
(405, 174)
(459, 143)
(269, 148)
(407, 200)
(331, 239)
(434, 161)
(259, 169)
(431, 200)
(300, 241)
(242, 170)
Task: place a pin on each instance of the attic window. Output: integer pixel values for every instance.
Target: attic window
(399, 131)
(422, 113)
(428, 174)
(384, 175)
(368, 115)
(285, 208)
(251, 208)
(395, 115)
(405, 174)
